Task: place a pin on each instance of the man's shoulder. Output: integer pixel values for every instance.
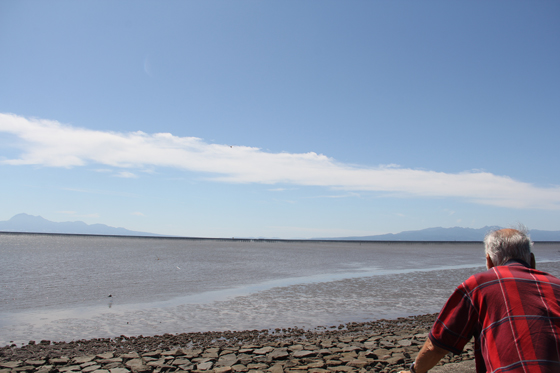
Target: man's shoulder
(479, 279)
(507, 272)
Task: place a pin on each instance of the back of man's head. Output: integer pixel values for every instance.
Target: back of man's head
(506, 244)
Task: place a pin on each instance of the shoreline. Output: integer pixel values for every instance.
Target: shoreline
(378, 346)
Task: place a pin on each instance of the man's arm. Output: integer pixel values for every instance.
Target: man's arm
(428, 357)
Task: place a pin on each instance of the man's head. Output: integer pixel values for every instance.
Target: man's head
(506, 244)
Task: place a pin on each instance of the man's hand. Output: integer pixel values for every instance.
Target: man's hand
(428, 357)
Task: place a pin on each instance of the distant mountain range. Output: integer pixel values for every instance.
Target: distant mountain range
(37, 224)
(449, 234)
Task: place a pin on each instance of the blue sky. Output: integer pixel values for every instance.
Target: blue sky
(291, 119)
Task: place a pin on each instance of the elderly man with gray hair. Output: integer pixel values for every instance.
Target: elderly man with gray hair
(512, 310)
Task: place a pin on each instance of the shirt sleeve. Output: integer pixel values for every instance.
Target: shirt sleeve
(456, 322)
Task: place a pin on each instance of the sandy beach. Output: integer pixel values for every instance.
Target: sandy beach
(377, 346)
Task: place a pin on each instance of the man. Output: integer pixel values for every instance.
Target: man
(512, 310)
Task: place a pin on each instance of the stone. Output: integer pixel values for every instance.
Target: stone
(211, 354)
(395, 360)
(134, 362)
(205, 366)
(279, 353)
(177, 352)
(10, 364)
(223, 370)
(295, 348)
(110, 361)
(45, 369)
(154, 354)
(70, 368)
(263, 351)
(181, 361)
(59, 361)
(141, 369)
(26, 368)
(360, 363)
(112, 366)
(91, 368)
(316, 364)
(227, 360)
(119, 370)
(341, 368)
(239, 368)
(157, 363)
(245, 359)
(277, 368)
(192, 353)
(130, 355)
(334, 362)
(304, 353)
(35, 362)
(257, 366)
(83, 359)
(380, 352)
(106, 355)
(351, 348)
(405, 342)
(101, 371)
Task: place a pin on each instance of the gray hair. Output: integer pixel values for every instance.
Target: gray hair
(506, 244)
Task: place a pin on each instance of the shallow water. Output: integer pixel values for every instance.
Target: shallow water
(57, 287)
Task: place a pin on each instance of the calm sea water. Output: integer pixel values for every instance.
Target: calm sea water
(57, 287)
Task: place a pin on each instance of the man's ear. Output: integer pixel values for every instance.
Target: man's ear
(489, 263)
(533, 261)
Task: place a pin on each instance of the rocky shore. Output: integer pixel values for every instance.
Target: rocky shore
(377, 346)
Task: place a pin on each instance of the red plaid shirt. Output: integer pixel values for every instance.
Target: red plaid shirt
(513, 312)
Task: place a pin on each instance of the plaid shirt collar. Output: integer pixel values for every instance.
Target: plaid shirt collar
(517, 262)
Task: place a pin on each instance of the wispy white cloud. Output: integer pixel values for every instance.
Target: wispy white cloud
(137, 214)
(345, 195)
(126, 174)
(50, 143)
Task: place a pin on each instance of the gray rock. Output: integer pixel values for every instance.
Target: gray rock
(59, 361)
(304, 353)
(10, 364)
(35, 362)
(83, 359)
(279, 353)
(130, 355)
(134, 363)
(70, 368)
(405, 342)
(119, 370)
(181, 361)
(45, 369)
(205, 366)
(90, 368)
(227, 360)
(263, 351)
(223, 370)
(276, 369)
(239, 368)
